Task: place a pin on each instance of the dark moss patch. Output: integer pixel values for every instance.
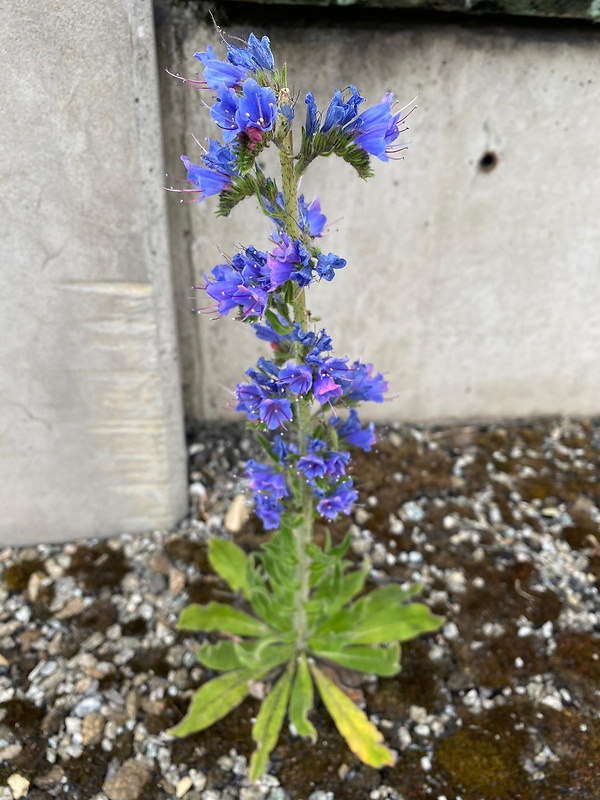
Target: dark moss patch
(180, 549)
(137, 626)
(483, 759)
(16, 577)
(97, 617)
(575, 738)
(98, 566)
(22, 716)
(576, 662)
(151, 659)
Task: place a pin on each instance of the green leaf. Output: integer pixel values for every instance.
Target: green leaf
(229, 561)
(276, 324)
(214, 700)
(267, 727)
(219, 617)
(221, 656)
(265, 653)
(396, 623)
(301, 701)
(381, 599)
(362, 736)
(334, 141)
(384, 661)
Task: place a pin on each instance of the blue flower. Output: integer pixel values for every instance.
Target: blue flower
(312, 121)
(297, 378)
(313, 466)
(377, 128)
(250, 397)
(310, 218)
(341, 111)
(275, 412)
(218, 74)
(223, 287)
(326, 264)
(340, 501)
(224, 113)
(257, 108)
(268, 510)
(335, 464)
(361, 385)
(264, 479)
(352, 432)
(256, 55)
(289, 260)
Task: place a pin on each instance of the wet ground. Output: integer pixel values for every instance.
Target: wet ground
(501, 525)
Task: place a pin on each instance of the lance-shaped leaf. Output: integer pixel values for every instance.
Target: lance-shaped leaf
(384, 661)
(229, 561)
(221, 656)
(215, 700)
(396, 623)
(379, 600)
(267, 727)
(362, 737)
(219, 617)
(302, 700)
(265, 653)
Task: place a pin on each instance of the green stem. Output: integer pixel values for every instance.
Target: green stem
(302, 417)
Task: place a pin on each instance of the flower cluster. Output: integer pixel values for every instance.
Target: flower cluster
(375, 130)
(309, 447)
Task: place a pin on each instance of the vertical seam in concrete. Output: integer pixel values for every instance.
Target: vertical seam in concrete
(151, 169)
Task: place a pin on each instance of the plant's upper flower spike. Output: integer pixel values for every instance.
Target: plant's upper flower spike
(256, 55)
(218, 74)
(257, 107)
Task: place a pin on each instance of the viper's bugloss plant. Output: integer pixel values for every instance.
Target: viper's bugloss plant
(298, 609)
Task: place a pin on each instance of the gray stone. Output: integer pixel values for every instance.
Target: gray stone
(128, 782)
(91, 434)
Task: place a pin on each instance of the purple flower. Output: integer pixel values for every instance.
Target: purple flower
(257, 108)
(327, 264)
(218, 74)
(223, 287)
(289, 260)
(206, 181)
(339, 501)
(252, 300)
(327, 385)
(297, 377)
(275, 412)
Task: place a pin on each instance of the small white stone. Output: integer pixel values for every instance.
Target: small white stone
(19, 785)
(426, 764)
(450, 631)
(519, 663)
(183, 787)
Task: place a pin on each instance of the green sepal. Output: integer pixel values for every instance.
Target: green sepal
(214, 700)
(267, 727)
(362, 737)
(302, 701)
(276, 324)
(337, 142)
(229, 562)
(397, 623)
(383, 661)
(219, 617)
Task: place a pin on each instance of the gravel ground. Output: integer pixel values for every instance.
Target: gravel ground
(501, 525)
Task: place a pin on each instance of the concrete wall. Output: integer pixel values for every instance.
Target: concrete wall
(91, 436)
(476, 292)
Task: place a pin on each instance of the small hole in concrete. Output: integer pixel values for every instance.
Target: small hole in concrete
(488, 161)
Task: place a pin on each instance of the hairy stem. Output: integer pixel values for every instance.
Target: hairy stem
(302, 417)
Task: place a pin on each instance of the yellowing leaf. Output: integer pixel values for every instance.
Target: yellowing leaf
(219, 617)
(214, 700)
(362, 737)
(302, 700)
(267, 727)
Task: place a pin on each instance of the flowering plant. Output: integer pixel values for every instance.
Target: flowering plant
(301, 612)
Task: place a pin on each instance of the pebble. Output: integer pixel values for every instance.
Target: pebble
(450, 631)
(183, 786)
(88, 705)
(128, 781)
(18, 784)
(412, 512)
